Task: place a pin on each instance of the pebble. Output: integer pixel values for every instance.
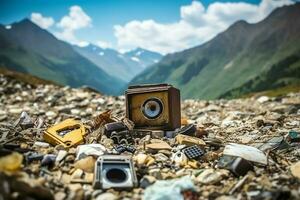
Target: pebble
(51, 114)
(42, 144)
(209, 176)
(107, 196)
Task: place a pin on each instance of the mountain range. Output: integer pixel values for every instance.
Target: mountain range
(244, 58)
(25, 47)
(123, 66)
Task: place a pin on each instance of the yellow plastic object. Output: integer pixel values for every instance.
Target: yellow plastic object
(189, 140)
(68, 133)
(11, 163)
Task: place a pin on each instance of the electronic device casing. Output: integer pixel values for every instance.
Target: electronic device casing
(169, 95)
(121, 162)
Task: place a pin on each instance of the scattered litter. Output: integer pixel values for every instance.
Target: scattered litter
(179, 158)
(83, 151)
(193, 152)
(11, 163)
(187, 130)
(115, 171)
(189, 140)
(67, 133)
(25, 121)
(160, 145)
(53, 142)
(48, 160)
(169, 189)
(238, 166)
(293, 136)
(247, 152)
(122, 148)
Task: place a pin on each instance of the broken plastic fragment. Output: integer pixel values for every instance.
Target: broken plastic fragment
(11, 162)
(114, 127)
(25, 121)
(67, 133)
(161, 145)
(83, 151)
(247, 152)
(193, 152)
(238, 166)
(187, 130)
(189, 140)
(169, 189)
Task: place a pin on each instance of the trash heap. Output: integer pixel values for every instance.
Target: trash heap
(63, 143)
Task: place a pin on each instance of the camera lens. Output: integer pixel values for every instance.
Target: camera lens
(152, 108)
(116, 175)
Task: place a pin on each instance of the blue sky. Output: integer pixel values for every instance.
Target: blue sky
(164, 26)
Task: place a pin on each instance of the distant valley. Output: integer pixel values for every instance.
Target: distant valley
(244, 59)
(27, 48)
(123, 66)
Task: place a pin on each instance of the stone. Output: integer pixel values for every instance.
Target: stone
(51, 114)
(263, 99)
(161, 145)
(146, 181)
(107, 196)
(60, 196)
(61, 155)
(86, 164)
(295, 169)
(271, 124)
(41, 144)
(143, 159)
(159, 157)
(209, 176)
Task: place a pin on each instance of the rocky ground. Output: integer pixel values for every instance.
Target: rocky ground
(31, 168)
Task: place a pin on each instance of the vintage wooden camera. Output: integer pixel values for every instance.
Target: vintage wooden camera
(155, 106)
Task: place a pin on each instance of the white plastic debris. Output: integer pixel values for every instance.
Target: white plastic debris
(169, 189)
(247, 152)
(83, 151)
(41, 144)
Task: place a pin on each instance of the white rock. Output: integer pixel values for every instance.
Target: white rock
(209, 176)
(106, 196)
(41, 144)
(51, 114)
(263, 99)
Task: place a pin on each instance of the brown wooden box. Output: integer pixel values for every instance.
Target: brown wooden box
(169, 119)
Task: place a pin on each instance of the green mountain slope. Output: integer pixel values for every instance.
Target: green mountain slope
(285, 72)
(231, 59)
(25, 47)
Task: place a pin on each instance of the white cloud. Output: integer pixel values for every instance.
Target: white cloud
(75, 20)
(103, 44)
(196, 25)
(43, 22)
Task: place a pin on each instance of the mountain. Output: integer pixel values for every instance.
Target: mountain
(243, 58)
(25, 47)
(123, 66)
(144, 57)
